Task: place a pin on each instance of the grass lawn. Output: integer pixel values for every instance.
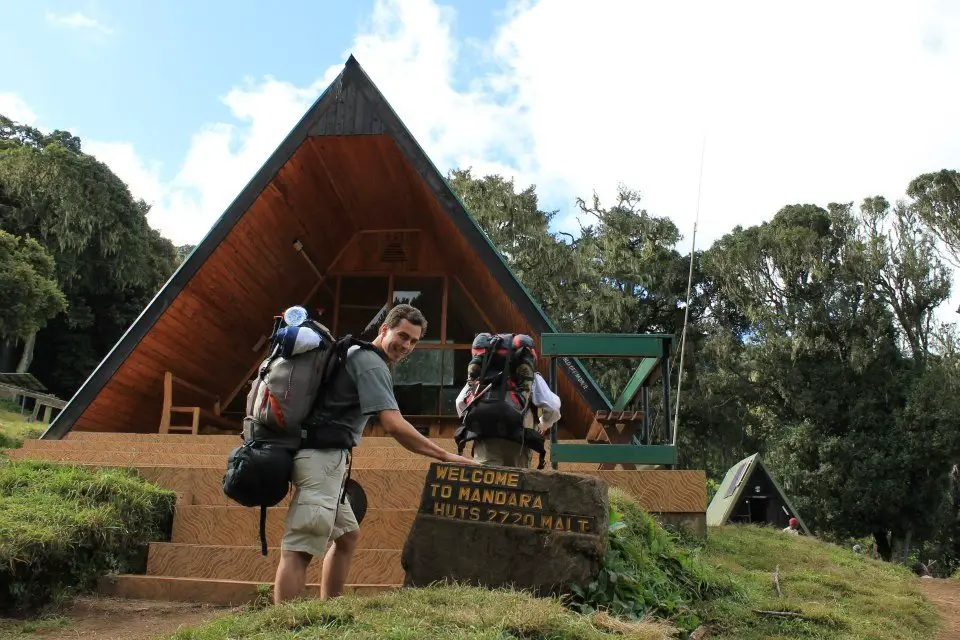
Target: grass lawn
(837, 594)
(411, 614)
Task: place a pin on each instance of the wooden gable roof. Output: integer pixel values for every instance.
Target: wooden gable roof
(348, 166)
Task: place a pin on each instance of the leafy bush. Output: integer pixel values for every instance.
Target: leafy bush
(647, 572)
(712, 487)
(62, 527)
(15, 440)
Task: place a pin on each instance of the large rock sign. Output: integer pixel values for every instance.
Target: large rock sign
(504, 527)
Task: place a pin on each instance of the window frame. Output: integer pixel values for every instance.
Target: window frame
(439, 344)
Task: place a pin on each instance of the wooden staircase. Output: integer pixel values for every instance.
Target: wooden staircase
(214, 552)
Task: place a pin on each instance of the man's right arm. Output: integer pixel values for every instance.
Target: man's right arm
(375, 388)
(412, 440)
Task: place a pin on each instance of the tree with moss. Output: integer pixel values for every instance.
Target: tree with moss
(108, 261)
(28, 287)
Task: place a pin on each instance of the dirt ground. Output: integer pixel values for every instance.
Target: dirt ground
(97, 618)
(945, 594)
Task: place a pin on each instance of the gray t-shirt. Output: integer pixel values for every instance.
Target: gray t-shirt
(361, 390)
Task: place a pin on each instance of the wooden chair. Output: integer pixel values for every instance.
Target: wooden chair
(207, 415)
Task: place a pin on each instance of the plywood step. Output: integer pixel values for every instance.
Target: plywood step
(229, 440)
(200, 447)
(380, 458)
(240, 526)
(133, 458)
(385, 488)
(229, 593)
(379, 566)
(106, 436)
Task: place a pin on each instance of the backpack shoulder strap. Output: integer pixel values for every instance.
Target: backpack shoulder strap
(488, 356)
(334, 361)
(337, 355)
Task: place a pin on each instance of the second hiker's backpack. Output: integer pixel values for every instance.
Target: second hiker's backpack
(500, 399)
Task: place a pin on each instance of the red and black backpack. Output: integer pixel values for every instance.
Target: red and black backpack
(497, 403)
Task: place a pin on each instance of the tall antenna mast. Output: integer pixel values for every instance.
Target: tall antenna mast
(686, 311)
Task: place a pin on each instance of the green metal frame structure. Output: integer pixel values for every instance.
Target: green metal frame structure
(655, 351)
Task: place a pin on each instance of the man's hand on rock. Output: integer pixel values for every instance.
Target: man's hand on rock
(455, 459)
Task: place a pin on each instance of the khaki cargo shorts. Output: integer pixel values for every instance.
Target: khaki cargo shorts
(501, 453)
(316, 515)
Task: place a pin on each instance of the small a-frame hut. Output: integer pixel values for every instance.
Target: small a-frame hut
(750, 494)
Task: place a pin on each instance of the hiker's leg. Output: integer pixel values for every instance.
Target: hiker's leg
(524, 455)
(336, 564)
(291, 575)
(318, 476)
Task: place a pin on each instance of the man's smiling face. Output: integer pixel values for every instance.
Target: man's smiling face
(399, 341)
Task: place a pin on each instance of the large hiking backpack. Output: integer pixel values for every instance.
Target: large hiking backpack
(303, 358)
(287, 383)
(499, 401)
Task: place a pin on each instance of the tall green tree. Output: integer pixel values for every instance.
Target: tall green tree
(937, 202)
(900, 254)
(109, 262)
(520, 231)
(28, 287)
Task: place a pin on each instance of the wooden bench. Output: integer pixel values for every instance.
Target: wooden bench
(199, 414)
(46, 401)
(615, 427)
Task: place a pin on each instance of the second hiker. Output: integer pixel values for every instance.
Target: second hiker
(498, 402)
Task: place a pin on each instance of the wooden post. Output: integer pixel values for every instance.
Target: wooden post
(553, 430)
(167, 402)
(665, 374)
(646, 415)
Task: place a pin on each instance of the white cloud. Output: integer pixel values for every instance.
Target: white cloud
(77, 20)
(221, 159)
(13, 107)
(834, 102)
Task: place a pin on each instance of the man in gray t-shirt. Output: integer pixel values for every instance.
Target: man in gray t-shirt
(364, 388)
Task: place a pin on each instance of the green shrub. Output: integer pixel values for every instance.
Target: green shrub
(15, 440)
(647, 572)
(62, 527)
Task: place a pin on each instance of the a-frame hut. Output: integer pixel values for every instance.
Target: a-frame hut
(350, 216)
(749, 494)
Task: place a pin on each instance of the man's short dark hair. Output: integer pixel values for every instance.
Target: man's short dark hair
(406, 312)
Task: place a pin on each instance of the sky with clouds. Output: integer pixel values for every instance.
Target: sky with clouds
(819, 102)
